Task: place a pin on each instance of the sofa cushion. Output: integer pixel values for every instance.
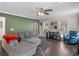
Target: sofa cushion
(26, 34)
(34, 40)
(22, 49)
(13, 43)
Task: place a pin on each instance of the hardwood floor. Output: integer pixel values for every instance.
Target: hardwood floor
(50, 48)
(56, 48)
(3, 52)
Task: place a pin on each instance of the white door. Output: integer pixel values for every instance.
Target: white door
(2, 26)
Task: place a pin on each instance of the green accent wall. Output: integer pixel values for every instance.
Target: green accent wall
(20, 24)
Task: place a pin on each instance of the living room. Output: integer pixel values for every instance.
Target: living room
(42, 29)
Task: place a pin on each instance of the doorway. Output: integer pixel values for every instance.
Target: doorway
(2, 27)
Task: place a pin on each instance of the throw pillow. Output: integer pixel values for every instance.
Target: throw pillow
(13, 43)
(26, 34)
(10, 37)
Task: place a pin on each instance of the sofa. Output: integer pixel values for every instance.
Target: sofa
(24, 47)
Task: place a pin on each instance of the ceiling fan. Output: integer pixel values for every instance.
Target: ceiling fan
(42, 11)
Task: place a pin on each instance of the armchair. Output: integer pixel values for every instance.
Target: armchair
(72, 37)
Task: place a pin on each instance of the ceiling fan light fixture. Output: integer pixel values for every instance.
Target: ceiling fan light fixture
(40, 14)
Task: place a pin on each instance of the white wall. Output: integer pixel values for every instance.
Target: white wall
(71, 20)
(73, 23)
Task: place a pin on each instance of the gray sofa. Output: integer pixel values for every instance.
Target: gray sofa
(23, 48)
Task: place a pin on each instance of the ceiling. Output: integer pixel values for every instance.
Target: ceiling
(28, 9)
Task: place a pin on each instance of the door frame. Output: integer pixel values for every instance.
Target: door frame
(3, 25)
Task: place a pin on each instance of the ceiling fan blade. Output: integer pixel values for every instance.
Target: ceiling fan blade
(40, 9)
(49, 10)
(46, 13)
